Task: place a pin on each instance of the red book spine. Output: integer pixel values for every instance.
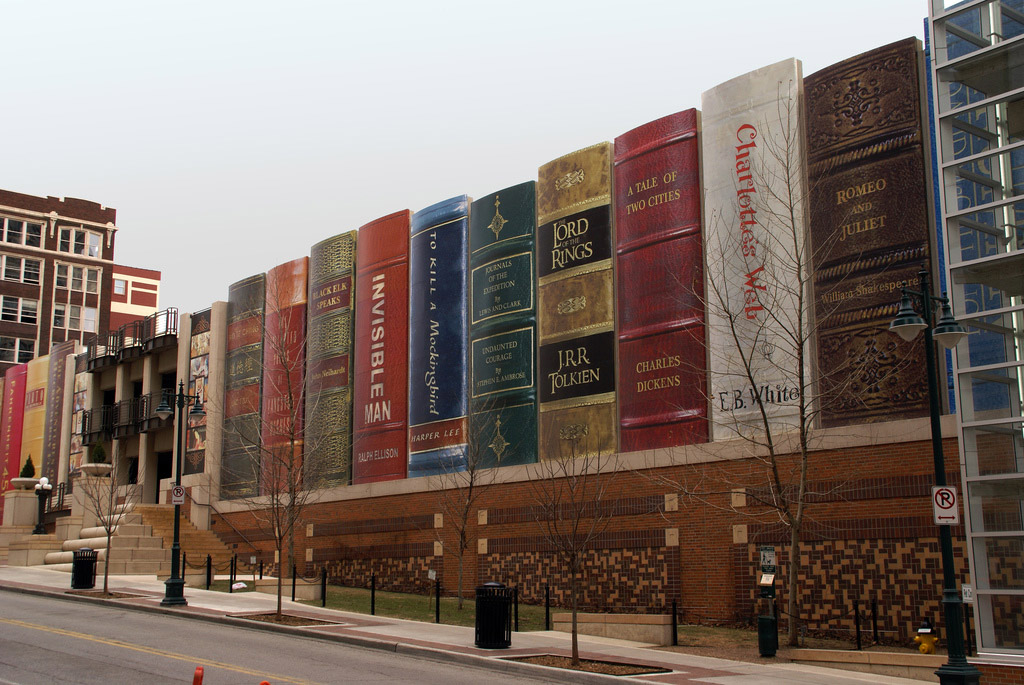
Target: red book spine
(284, 381)
(10, 426)
(380, 383)
(662, 381)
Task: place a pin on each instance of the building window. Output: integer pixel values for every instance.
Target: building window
(89, 319)
(19, 309)
(19, 269)
(59, 315)
(16, 350)
(20, 232)
(80, 241)
(120, 286)
(75, 317)
(78, 277)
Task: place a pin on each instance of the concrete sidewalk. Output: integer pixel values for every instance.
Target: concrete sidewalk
(445, 642)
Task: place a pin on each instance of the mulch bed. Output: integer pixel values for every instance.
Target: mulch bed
(286, 620)
(590, 666)
(103, 595)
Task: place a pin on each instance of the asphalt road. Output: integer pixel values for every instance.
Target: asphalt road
(48, 640)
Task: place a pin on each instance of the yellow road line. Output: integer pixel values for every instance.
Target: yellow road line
(158, 652)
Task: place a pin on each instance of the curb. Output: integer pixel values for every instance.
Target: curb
(497, 664)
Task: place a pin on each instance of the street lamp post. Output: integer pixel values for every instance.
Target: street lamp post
(948, 333)
(174, 587)
(43, 488)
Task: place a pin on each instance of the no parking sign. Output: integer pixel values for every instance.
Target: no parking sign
(945, 507)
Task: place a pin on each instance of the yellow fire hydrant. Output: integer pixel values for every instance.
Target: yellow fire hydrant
(926, 638)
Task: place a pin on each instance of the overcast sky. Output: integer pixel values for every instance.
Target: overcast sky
(231, 136)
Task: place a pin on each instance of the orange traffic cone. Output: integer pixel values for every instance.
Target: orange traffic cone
(197, 679)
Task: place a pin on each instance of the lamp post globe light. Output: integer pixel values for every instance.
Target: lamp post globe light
(174, 587)
(43, 488)
(947, 332)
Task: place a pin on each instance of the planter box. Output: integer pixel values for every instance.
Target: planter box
(654, 629)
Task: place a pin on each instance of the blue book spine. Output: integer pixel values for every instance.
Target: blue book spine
(438, 338)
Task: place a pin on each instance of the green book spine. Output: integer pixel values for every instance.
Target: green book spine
(503, 328)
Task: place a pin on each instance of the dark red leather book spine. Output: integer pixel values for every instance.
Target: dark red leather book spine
(380, 384)
(284, 363)
(662, 380)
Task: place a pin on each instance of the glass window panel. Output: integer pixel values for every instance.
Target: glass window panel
(1004, 629)
(996, 506)
(79, 246)
(94, 244)
(74, 317)
(7, 349)
(12, 268)
(65, 240)
(91, 280)
(62, 276)
(76, 278)
(29, 309)
(119, 286)
(999, 562)
(9, 308)
(89, 319)
(34, 235)
(15, 231)
(994, 450)
(26, 350)
(31, 271)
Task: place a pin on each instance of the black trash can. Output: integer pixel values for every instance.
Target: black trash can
(493, 616)
(83, 569)
(767, 635)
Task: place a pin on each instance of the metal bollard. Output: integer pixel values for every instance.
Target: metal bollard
(437, 600)
(323, 587)
(373, 593)
(675, 625)
(293, 582)
(515, 606)
(547, 607)
(261, 569)
(209, 571)
(856, 621)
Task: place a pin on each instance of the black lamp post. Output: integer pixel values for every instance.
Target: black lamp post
(907, 324)
(43, 488)
(174, 587)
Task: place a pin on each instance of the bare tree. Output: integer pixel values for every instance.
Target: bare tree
(569, 493)
(288, 469)
(459, 486)
(109, 500)
(763, 389)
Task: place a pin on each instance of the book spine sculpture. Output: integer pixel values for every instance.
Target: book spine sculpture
(54, 414)
(869, 219)
(242, 388)
(11, 424)
(34, 427)
(198, 377)
(284, 377)
(329, 353)
(758, 314)
(660, 279)
(576, 314)
(380, 398)
(438, 338)
(503, 328)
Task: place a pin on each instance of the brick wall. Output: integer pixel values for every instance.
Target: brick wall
(689, 533)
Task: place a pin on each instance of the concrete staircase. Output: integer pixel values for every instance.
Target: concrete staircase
(195, 543)
(133, 549)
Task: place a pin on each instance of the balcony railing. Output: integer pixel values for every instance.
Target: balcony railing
(138, 415)
(132, 340)
(98, 424)
(148, 420)
(160, 330)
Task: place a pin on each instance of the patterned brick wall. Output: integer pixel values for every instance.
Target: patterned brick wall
(901, 573)
(868, 532)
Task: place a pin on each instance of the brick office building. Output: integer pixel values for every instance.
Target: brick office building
(57, 260)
